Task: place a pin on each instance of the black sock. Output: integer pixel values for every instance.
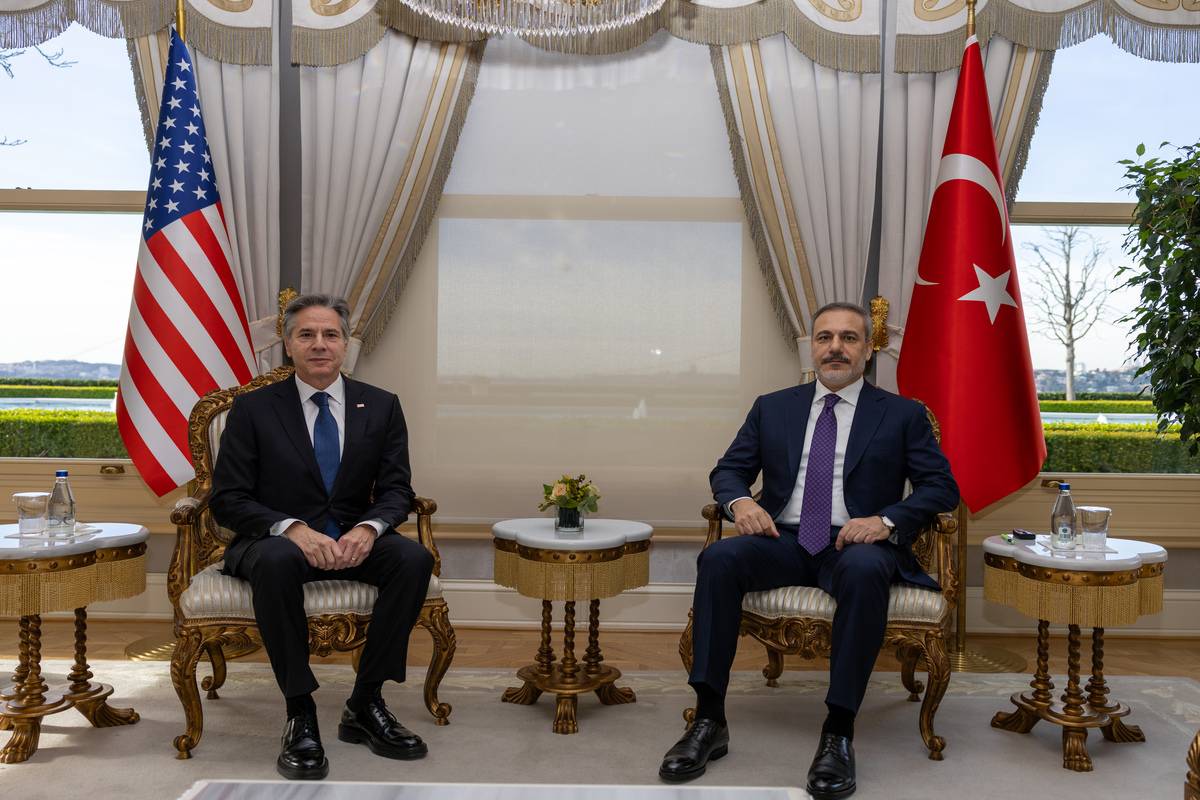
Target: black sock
(300, 704)
(840, 722)
(364, 692)
(709, 703)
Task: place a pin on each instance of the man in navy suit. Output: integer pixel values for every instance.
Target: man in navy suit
(313, 476)
(834, 457)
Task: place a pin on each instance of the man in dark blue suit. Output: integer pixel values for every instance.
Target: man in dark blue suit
(834, 456)
(313, 476)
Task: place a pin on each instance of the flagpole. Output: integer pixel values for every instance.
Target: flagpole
(978, 658)
(180, 20)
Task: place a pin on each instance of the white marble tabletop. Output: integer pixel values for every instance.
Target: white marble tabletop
(102, 535)
(338, 790)
(1118, 554)
(597, 534)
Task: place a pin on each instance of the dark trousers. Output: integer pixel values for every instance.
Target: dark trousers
(859, 577)
(277, 571)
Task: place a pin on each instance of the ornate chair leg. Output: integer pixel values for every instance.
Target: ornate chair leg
(436, 620)
(939, 679)
(216, 657)
(188, 645)
(685, 644)
(909, 657)
(774, 667)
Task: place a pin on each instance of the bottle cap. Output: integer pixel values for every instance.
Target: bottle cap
(1063, 486)
(60, 473)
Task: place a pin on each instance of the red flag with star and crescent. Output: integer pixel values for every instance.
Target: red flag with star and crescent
(965, 353)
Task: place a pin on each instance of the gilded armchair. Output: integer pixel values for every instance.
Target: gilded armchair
(213, 612)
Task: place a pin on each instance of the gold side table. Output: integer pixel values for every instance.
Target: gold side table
(39, 575)
(1077, 588)
(607, 558)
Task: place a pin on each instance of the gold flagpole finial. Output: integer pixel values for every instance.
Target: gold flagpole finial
(179, 19)
(970, 17)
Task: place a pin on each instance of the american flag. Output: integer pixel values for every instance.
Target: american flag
(187, 325)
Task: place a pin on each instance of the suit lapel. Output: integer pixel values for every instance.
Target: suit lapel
(356, 424)
(291, 417)
(797, 424)
(867, 416)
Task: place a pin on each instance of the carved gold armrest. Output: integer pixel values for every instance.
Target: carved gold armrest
(425, 508)
(187, 509)
(712, 513)
(946, 524)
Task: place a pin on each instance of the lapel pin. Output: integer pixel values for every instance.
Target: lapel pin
(360, 405)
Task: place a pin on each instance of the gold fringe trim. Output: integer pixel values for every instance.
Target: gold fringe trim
(687, 21)
(43, 592)
(116, 580)
(1028, 125)
(379, 316)
(750, 201)
(112, 19)
(1045, 30)
(313, 47)
(572, 581)
(228, 44)
(1086, 606)
(139, 91)
(1150, 590)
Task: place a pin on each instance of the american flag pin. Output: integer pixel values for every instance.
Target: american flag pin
(360, 405)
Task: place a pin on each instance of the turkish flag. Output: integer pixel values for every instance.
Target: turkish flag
(965, 353)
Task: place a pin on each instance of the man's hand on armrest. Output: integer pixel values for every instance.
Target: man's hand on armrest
(862, 530)
(750, 519)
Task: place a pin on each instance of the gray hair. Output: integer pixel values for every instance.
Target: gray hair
(316, 300)
(843, 306)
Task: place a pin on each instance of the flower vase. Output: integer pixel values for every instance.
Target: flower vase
(568, 521)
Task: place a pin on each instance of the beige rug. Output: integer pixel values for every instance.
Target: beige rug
(774, 732)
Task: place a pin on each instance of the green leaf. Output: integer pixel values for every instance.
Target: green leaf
(1141, 149)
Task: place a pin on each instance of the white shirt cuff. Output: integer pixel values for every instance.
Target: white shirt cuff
(729, 505)
(379, 525)
(279, 528)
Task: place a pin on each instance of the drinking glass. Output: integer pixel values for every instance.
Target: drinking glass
(1093, 522)
(31, 512)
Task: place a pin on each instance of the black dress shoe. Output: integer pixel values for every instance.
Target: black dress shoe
(706, 740)
(302, 757)
(831, 775)
(374, 726)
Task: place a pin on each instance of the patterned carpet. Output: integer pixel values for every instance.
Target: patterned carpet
(774, 732)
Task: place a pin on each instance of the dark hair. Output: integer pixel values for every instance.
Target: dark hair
(842, 306)
(318, 300)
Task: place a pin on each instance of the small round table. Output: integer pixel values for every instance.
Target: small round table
(1077, 588)
(608, 557)
(39, 575)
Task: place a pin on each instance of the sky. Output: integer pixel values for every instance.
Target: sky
(76, 272)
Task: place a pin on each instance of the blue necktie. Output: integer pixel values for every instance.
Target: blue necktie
(325, 448)
(816, 512)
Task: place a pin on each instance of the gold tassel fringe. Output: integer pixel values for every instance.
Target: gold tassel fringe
(1086, 606)
(42, 592)
(112, 19)
(572, 581)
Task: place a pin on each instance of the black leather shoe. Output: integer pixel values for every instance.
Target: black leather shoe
(831, 775)
(302, 757)
(706, 740)
(374, 726)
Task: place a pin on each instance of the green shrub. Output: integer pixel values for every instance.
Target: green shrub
(37, 433)
(1098, 406)
(50, 390)
(57, 382)
(1095, 395)
(1115, 448)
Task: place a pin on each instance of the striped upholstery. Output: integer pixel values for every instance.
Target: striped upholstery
(212, 595)
(907, 604)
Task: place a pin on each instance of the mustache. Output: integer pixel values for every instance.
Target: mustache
(836, 360)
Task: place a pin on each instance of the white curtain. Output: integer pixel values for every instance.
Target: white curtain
(916, 113)
(377, 137)
(804, 139)
(241, 119)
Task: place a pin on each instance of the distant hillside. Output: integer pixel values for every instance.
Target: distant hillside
(58, 370)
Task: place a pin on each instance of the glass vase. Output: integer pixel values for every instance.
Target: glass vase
(568, 521)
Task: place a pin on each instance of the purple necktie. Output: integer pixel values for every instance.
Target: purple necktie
(816, 513)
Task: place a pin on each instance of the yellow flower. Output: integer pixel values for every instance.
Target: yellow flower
(559, 490)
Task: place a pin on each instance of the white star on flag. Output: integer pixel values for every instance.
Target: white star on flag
(187, 147)
(164, 142)
(174, 103)
(159, 163)
(172, 206)
(200, 193)
(183, 65)
(176, 186)
(169, 122)
(192, 129)
(203, 174)
(179, 84)
(181, 166)
(992, 292)
(156, 184)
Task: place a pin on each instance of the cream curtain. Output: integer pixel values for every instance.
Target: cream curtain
(804, 140)
(377, 134)
(241, 118)
(916, 113)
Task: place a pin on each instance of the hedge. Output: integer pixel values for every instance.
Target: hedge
(10, 381)
(39, 433)
(48, 390)
(1095, 395)
(1098, 406)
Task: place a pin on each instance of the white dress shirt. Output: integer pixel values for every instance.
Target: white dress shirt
(337, 407)
(843, 412)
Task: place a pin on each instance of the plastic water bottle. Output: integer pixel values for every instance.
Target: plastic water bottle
(1062, 520)
(61, 507)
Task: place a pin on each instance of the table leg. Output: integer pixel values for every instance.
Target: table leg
(609, 693)
(18, 677)
(592, 659)
(25, 711)
(1029, 706)
(1116, 730)
(90, 698)
(528, 693)
(1075, 754)
(570, 667)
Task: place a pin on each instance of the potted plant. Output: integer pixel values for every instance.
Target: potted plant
(571, 498)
